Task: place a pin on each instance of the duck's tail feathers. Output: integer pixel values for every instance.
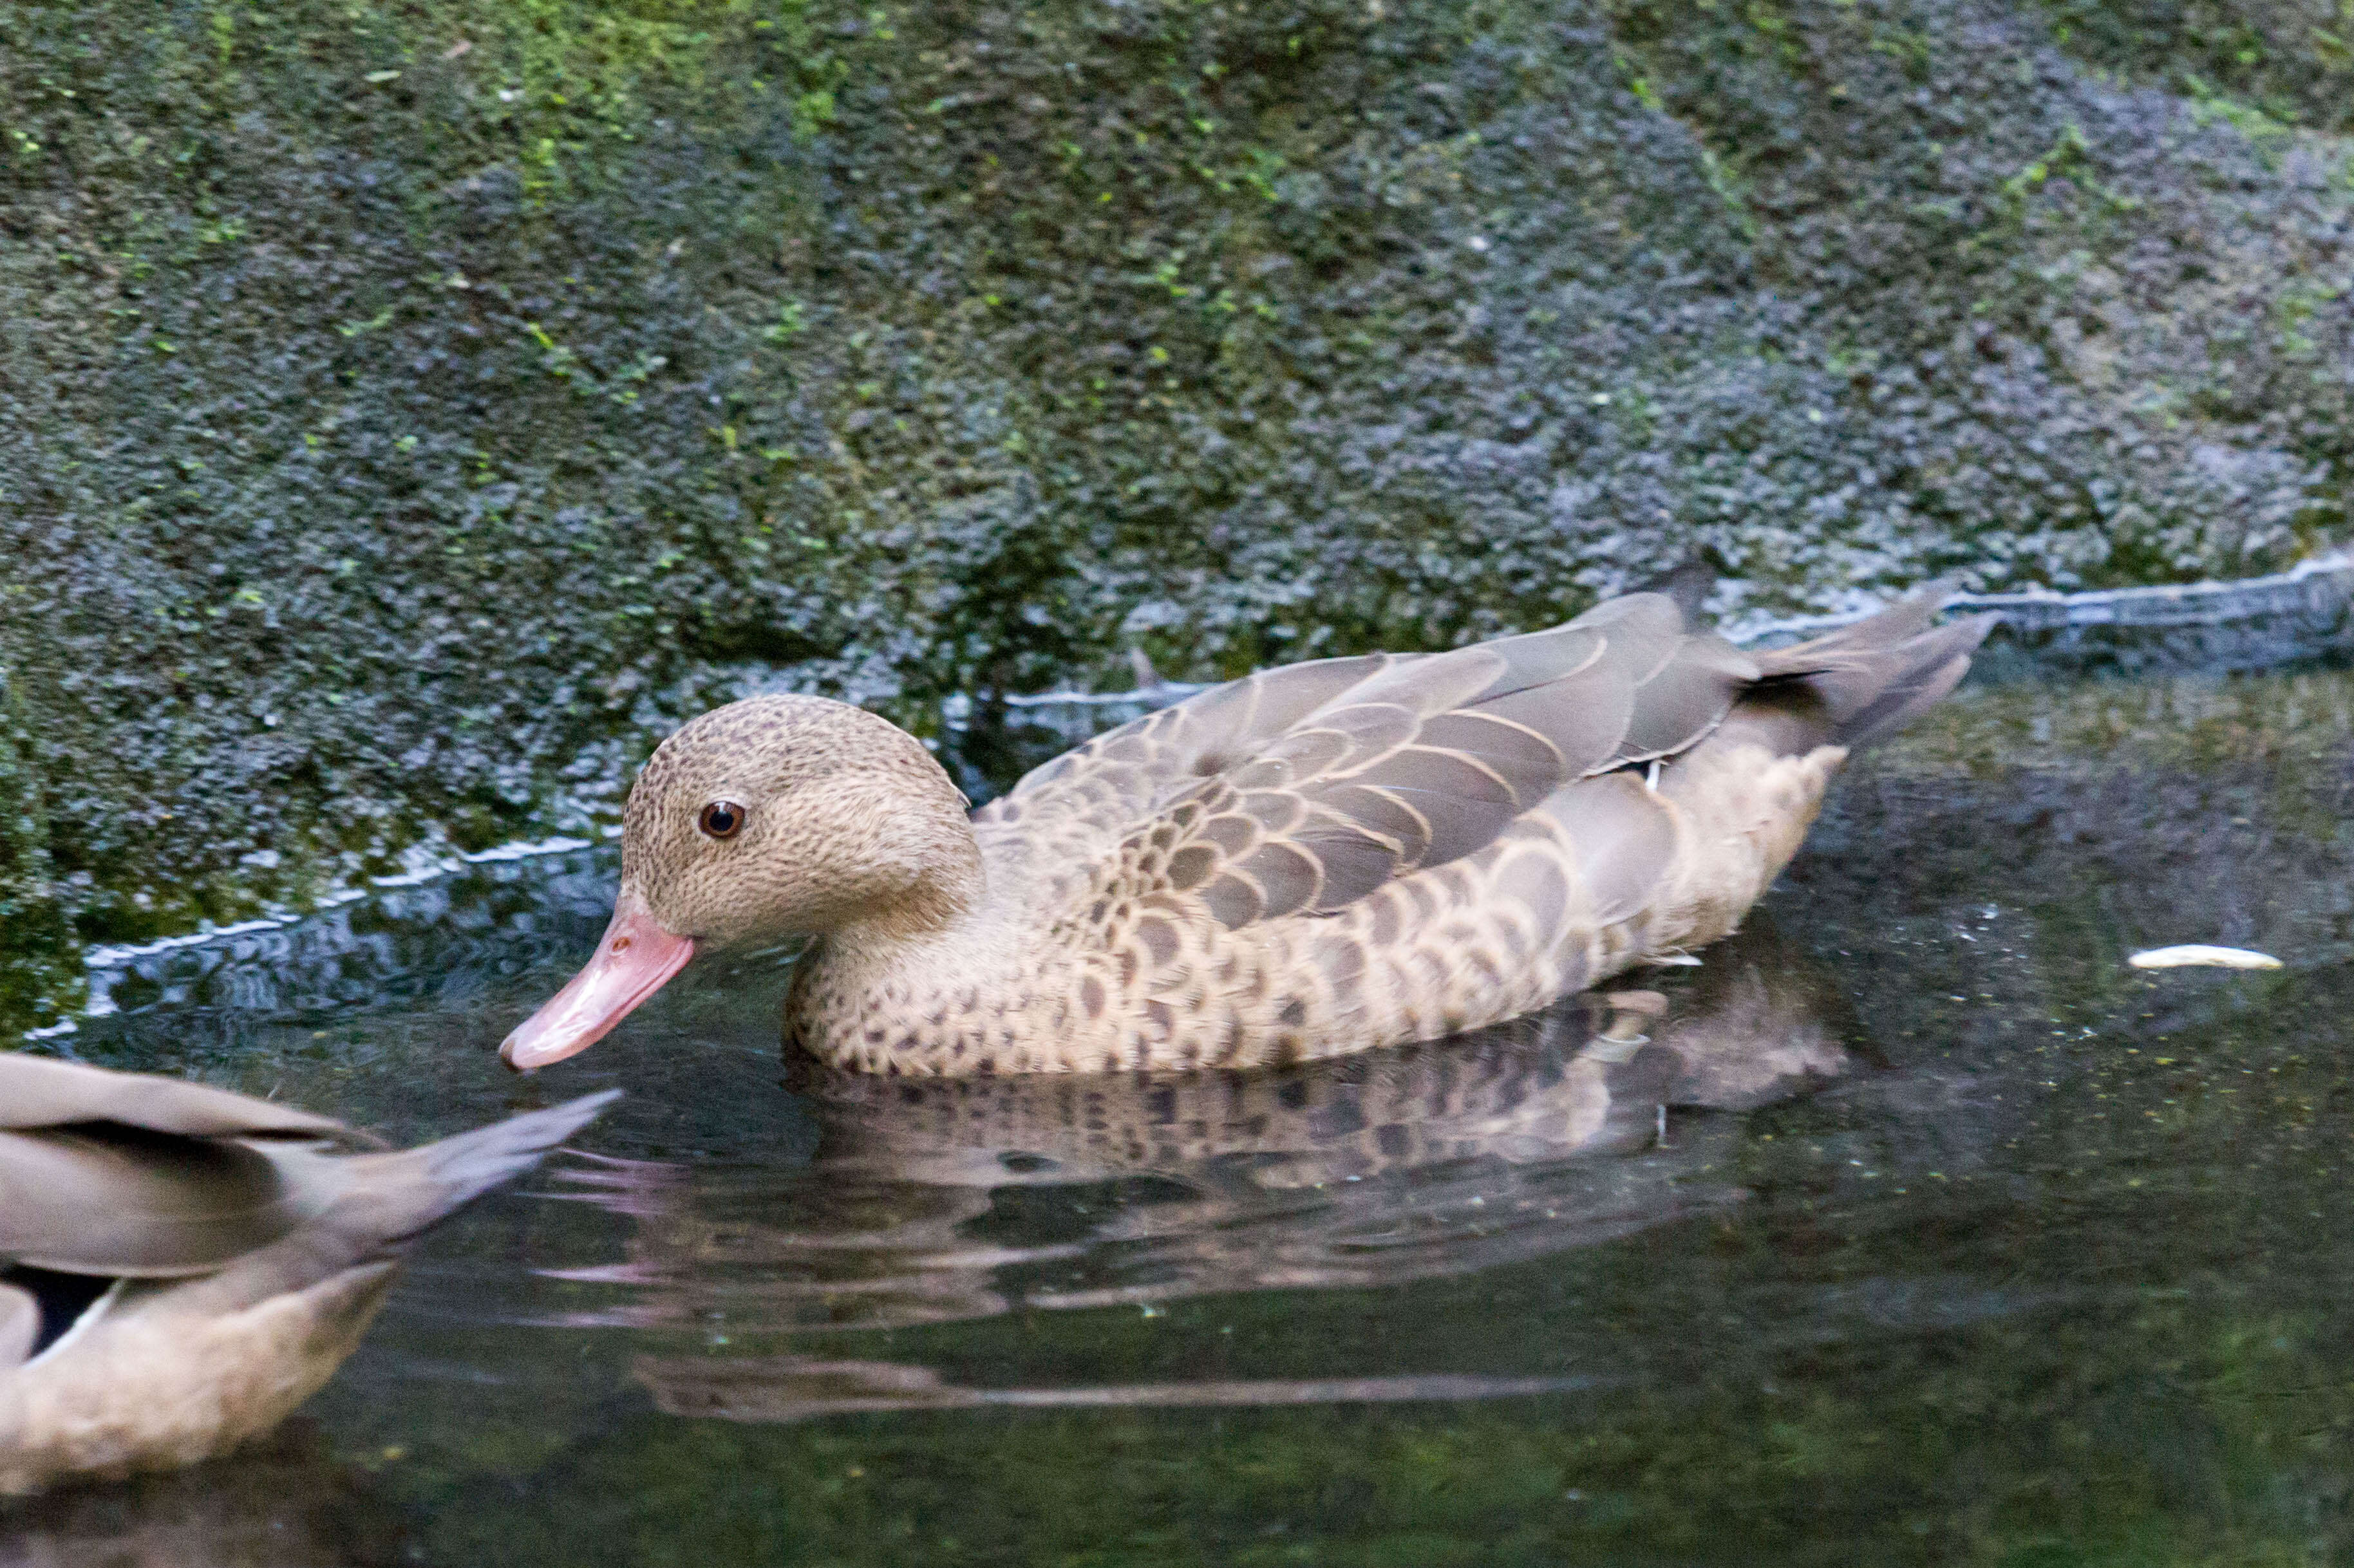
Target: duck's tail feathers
(365, 1208)
(392, 1197)
(1863, 681)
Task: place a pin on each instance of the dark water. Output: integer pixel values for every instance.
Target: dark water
(1957, 1241)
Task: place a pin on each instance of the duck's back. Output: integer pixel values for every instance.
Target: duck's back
(1356, 852)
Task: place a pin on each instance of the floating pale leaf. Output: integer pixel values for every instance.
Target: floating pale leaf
(2195, 955)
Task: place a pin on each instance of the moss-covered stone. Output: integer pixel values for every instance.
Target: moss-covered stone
(41, 977)
(2292, 60)
(404, 411)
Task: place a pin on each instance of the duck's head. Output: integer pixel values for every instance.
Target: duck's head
(766, 820)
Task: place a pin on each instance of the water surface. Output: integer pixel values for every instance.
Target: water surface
(1918, 1228)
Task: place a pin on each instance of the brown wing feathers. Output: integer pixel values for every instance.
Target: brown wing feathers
(1863, 681)
(1686, 698)
(1622, 838)
(1307, 788)
(126, 1174)
(1424, 762)
(110, 1200)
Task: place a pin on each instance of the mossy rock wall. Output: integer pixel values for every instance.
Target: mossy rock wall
(404, 411)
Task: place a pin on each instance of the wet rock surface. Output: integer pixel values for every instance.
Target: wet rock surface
(403, 416)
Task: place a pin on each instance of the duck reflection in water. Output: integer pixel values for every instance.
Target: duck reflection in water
(940, 1200)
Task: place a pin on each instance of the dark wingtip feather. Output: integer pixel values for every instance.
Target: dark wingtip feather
(1932, 665)
(1861, 682)
(1901, 622)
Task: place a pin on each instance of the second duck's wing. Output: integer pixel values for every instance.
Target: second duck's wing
(36, 1092)
(125, 1175)
(1305, 788)
(107, 1200)
(137, 1176)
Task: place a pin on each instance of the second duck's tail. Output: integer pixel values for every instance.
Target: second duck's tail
(365, 1208)
(394, 1196)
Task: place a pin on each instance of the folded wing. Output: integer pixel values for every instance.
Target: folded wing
(1305, 788)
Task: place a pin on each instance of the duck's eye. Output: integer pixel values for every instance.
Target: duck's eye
(721, 819)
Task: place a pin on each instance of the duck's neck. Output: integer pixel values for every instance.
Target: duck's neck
(944, 902)
(874, 990)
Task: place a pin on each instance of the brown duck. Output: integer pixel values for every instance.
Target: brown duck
(1313, 860)
(181, 1266)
